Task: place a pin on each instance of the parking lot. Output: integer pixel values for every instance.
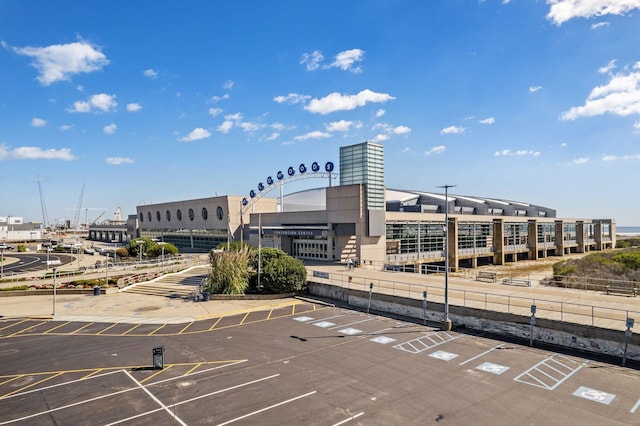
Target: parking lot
(315, 365)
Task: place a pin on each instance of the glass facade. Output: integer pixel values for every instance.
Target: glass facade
(415, 237)
(569, 232)
(516, 234)
(364, 164)
(546, 233)
(475, 235)
(310, 248)
(192, 239)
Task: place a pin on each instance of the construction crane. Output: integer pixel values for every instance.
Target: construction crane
(95, 221)
(45, 218)
(77, 217)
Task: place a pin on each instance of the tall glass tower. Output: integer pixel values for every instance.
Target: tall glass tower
(363, 163)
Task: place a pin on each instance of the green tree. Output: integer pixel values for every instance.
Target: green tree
(155, 249)
(229, 272)
(279, 272)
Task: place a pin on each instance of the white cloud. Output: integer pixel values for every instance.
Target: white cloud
(196, 134)
(38, 122)
(338, 102)
(228, 85)
(292, 98)
(562, 11)
(607, 68)
(150, 73)
(66, 127)
(110, 129)
(249, 126)
(380, 138)
(436, 150)
(489, 120)
(636, 127)
(452, 130)
(273, 136)
(581, 160)
(345, 60)
(116, 161)
(620, 157)
(400, 130)
(379, 113)
(313, 135)
(620, 96)
(134, 107)
(520, 153)
(564, 145)
(59, 62)
(534, 89)
(405, 150)
(600, 25)
(215, 111)
(215, 99)
(225, 127)
(35, 153)
(342, 126)
(102, 102)
(312, 60)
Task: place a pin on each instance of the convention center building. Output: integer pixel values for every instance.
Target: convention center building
(359, 218)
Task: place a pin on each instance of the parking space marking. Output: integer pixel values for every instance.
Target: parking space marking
(13, 324)
(22, 389)
(82, 328)
(350, 331)
(187, 326)
(352, 323)
(26, 329)
(303, 319)
(428, 341)
(323, 324)
(635, 407)
(108, 328)
(57, 327)
(267, 408)
(445, 356)
(492, 368)
(483, 353)
(383, 340)
(157, 329)
(349, 419)
(550, 372)
(153, 397)
(594, 395)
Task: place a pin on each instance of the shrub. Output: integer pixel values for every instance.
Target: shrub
(229, 272)
(279, 272)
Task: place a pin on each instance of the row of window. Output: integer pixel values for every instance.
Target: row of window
(204, 214)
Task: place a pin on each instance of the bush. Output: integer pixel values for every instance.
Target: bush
(229, 272)
(279, 272)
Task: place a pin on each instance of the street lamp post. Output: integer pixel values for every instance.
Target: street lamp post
(54, 291)
(162, 244)
(446, 324)
(2, 247)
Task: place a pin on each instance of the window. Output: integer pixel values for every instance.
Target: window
(158, 215)
(205, 213)
(191, 215)
(219, 213)
(179, 215)
(141, 217)
(168, 214)
(149, 216)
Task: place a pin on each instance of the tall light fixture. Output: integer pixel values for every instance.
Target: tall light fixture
(2, 247)
(54, 291)
(446, 323)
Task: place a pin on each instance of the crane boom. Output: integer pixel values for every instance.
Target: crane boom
(45, 218)
(77, 218)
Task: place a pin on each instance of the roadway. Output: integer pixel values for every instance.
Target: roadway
(299, 363)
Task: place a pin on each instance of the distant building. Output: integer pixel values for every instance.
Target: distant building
(381, 227)
(13, 229)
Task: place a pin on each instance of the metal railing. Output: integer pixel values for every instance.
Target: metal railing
(597, 316)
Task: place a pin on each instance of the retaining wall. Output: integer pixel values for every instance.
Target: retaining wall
(575, 336)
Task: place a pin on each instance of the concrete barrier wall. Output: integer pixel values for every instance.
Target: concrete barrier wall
(575, 336)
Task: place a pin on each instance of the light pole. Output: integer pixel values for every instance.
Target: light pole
(141, 244)
(162, 244)
(446, 324)
(54, 291)
(2, 247)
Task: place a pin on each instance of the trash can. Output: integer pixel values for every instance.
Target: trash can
(96, 291)
(158, 358)
(206, 296)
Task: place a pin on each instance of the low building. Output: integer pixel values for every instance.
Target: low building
(382, 228)
(13, 229)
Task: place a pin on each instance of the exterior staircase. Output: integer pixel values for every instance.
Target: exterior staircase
(184, 285)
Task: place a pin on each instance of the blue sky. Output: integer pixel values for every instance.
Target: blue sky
(147, 102)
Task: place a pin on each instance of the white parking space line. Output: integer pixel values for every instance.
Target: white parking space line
(548, 366)
(352, 323)
(635, 407)
(266, 408)
(324, 319)
(483, 353)
(349, 419)
(426, 342)
(152, 396)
